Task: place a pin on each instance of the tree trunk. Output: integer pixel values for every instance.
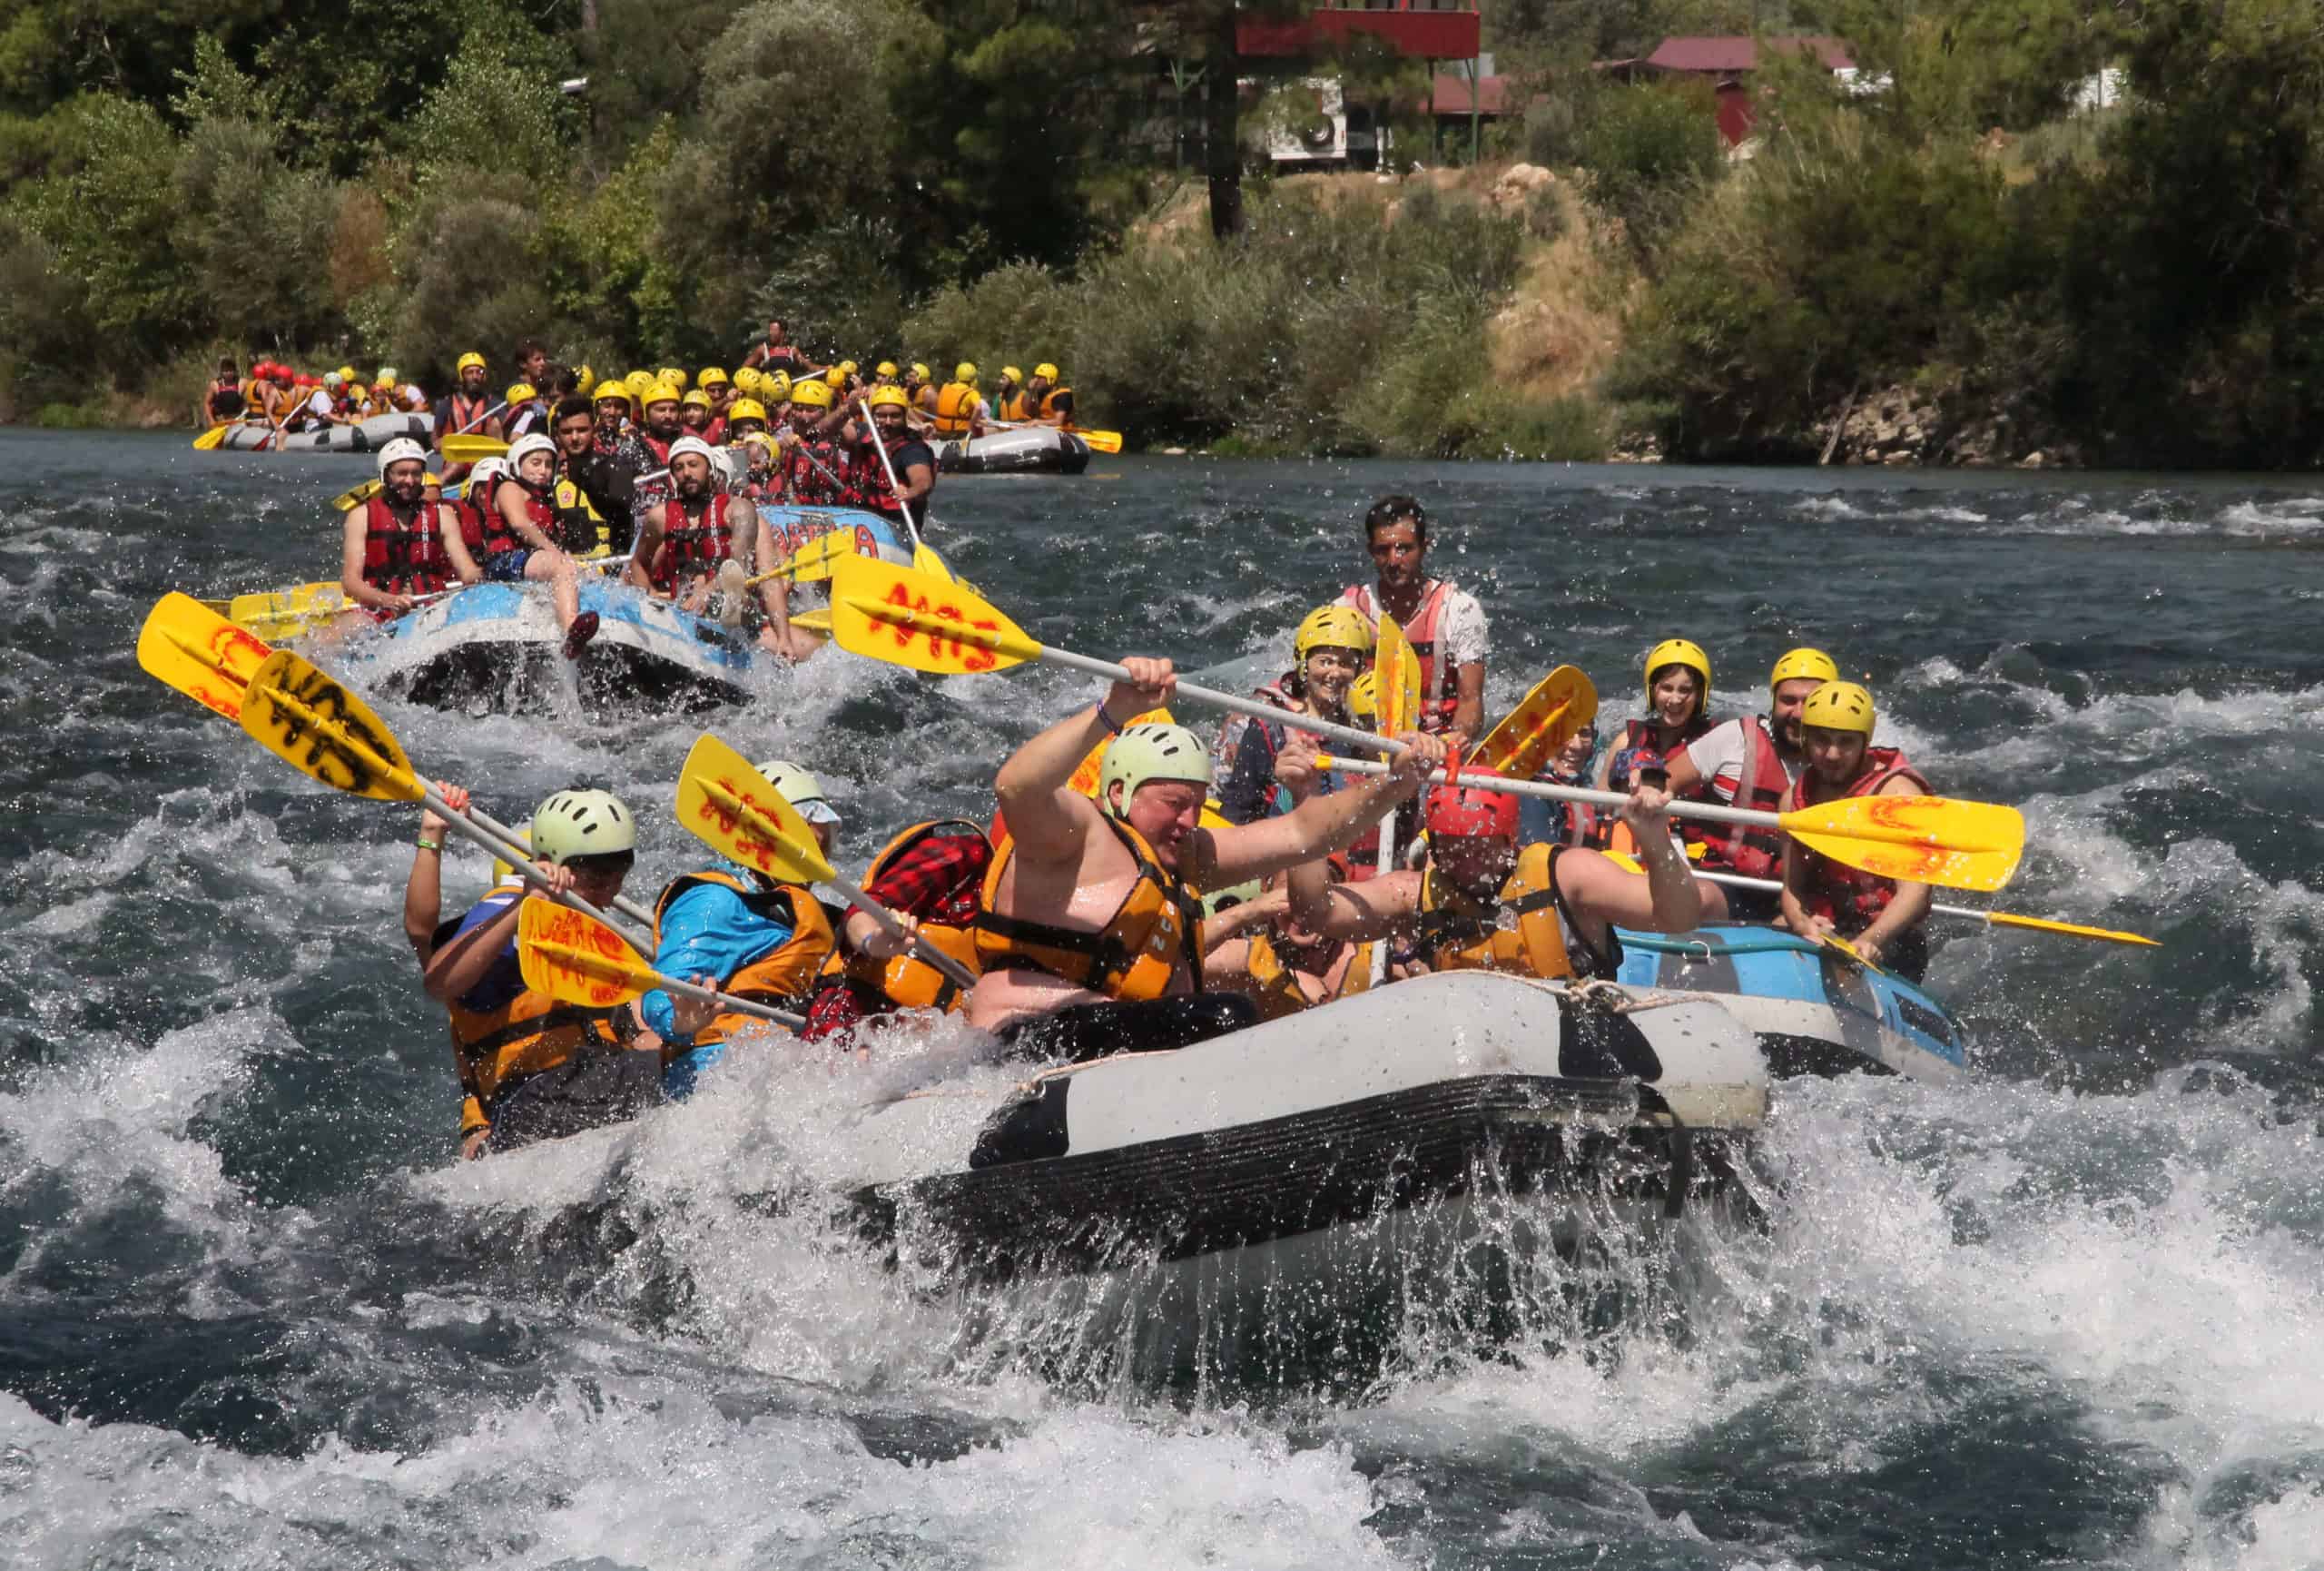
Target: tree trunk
(1221, 135)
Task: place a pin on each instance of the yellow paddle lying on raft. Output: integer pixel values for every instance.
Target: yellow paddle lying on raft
(1968, 912)
(461, 448)
(909, 620)
(730, 808)
(576, 958)
(1098, 442)
(187, 646)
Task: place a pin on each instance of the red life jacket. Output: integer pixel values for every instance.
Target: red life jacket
(809, 486)
(1440, 690)
(498, 534)
(1849, 897)
(472, 529)
(1749, 849)
(691, 546)
(657, 446)
(404, 555)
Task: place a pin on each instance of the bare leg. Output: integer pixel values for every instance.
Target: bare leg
(562, 578)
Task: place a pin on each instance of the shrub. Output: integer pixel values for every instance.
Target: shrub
(1645, 151)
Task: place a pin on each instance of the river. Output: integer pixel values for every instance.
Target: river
(2061, 1314)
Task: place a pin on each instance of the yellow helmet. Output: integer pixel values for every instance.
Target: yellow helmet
(610, 390)
(885, 368)
(1009, 373)
(697, 398)
(466, 361)
(1364, 699)
(883, 398)
(775, 384)
(920, 371)
(1812, 664)
(673, 376)
(966, 371)
(1046, 369)
(584, 379)
(1679, 652)
(347, 372)
(518, 392)
(386, 380)
(848, 366)
(1331, 628)
(836, 377)
(813, 393)
(745, 409)
(711, 377)
(1839, 707)
(658, 392)
(748, 379)
(639, 380)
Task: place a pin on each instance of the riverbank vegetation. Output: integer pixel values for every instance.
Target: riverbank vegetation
(398, 180)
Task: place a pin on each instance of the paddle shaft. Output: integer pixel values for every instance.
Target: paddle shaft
(480, 420)
(1736, 880)
(1554, 793)
(926, 952)
(895, 485)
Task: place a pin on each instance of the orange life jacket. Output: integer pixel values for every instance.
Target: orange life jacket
(1849, 897)
(783, 974)
(955, 402)
(1157, 929)
(1459, 934)
(1280, 993)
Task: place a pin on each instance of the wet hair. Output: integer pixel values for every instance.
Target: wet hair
(226, 364)
(1396, 509)
(574, 404)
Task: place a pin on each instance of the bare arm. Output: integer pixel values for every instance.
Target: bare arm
(743, 533)
(1316, 828)
(423, 892)
(1373, 909)
(1601, 894)
(1469, 703)
(512, 513)
(456, 545)
(640, 570)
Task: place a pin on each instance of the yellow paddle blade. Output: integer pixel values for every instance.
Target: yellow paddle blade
(909, 618)
(731, 808)
(200, 652)
(1924, 839)
(297, 713)
(575, 959)
(1534, 733)
(288, 613)
(817, 622)
(1102, 441)
(812, 563)
(348, 501)
(1834, 941)
(461, 448)
(2070, 929)
(1084, 779)
(925, 559)
(209, 440)
(1396, 670)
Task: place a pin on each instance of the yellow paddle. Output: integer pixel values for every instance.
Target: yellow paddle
(730, 808)
(212, 439)
(190, 647)
(1968, 912)
(1534, 733)
(909, 620)
(810, 563)
(348, 501)
(1395, 693)
(574, 958)
(1100, 442)
(467, 448)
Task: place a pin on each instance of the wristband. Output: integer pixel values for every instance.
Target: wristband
(427, 844)
(1107, 720)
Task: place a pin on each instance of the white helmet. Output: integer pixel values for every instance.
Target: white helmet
(524, 447)
(798, 788)
(1150, 752)
(582, 823)
(481, 473)
(696, 445)
(399, 451)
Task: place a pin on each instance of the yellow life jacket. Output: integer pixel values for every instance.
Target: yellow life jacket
(955, 402)
(906, 981)
(1157, 929)
(783, 974)
(1279, 990)
(501, 1048)
(577, 520)
(1458, 933)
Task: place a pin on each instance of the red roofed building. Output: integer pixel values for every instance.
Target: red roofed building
(1727, 64)
(1430, 29)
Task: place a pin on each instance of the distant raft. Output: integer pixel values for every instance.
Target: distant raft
(363, 437)
(1034, 450)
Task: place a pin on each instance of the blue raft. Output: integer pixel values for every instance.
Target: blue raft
(1814, 1010)
(498, 645)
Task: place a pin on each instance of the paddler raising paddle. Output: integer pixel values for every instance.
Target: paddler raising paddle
(1091, 940)
(1880, 917)
(1444, 624)
(1750, 762)
(399, 545)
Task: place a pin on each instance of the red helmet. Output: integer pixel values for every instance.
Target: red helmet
(1467, 808)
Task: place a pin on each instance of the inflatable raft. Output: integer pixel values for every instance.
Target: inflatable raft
(1283, 1176)
(497, 645)
(1034, 450)
(796, 527)
(1813, 1009)
(367, 437)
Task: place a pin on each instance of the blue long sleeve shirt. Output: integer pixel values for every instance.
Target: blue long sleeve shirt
(707, 931)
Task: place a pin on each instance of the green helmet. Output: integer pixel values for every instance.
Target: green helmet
(1215, 901)
(1150, 752)
(582, 823)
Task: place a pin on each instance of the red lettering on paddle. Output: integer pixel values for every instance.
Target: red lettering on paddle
(970, 657)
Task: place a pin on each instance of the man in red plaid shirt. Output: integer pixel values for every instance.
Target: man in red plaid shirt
(931, 876)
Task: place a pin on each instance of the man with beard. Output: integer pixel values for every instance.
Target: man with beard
(814, 466)
(663, 426)
(683, 543)
(399, 545)
(1751, 762)
(911, 459)
(1483, 903)
(776, 352)
(464, 409)
(1048, 401)
(591, 482)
